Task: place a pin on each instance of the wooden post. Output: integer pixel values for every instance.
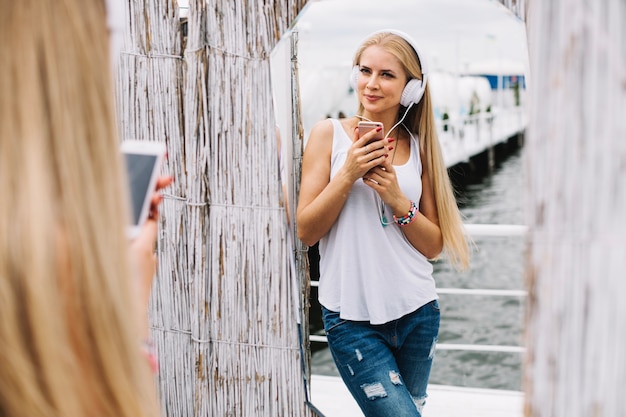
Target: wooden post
(516, 6)
(575, 168)
(222, 311)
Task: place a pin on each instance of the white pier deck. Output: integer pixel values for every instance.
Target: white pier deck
(332, 398)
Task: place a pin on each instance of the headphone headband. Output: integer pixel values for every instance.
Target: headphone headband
(410, 41)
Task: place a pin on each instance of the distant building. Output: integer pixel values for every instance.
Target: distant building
(500, 73)
(504, 77)
(455, 96)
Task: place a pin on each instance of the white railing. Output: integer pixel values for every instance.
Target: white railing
(495, 230)
(474, 230)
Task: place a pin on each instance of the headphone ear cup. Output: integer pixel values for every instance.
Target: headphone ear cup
(354, 75)
(412, 93)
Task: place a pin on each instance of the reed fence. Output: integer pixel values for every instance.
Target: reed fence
(223, 315)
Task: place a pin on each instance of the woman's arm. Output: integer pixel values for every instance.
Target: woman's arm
(143, 257)
(424, 232)
(321, 199)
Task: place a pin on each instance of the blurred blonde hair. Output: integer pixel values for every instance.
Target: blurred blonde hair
(69, 340)
(421, 120)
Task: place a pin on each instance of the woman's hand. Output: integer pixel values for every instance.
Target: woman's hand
(384, 181)
(423, 233)
(365, 153)
(142, 252)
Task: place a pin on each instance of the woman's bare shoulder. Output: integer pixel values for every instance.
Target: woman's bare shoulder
(327, 126)
(321, 133)
(323, 127)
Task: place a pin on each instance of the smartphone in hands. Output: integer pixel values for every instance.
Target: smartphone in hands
(365, 127)
(143, 162)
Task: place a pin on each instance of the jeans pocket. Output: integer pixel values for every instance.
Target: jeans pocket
(435, 305)
(331, 320)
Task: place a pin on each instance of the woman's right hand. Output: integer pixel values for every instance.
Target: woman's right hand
(321, 198)
(366, 153)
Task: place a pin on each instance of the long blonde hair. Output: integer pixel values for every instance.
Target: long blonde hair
(69, 340)
(421, 120)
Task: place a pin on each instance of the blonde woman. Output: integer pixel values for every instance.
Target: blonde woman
(381, 206)
(72, 303)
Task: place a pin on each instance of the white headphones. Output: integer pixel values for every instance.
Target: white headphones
(414, 89)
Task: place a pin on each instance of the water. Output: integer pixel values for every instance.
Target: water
(497, 263)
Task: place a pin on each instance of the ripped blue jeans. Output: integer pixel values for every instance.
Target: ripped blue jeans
(385, 367)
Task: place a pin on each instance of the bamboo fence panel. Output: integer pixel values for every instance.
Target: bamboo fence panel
(301, 257)
(222, 311)
(575, 166)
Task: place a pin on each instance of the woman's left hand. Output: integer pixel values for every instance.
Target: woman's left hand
(384, 181)
(424, 233)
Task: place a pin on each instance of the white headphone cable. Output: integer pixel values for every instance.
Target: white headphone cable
(394, 126)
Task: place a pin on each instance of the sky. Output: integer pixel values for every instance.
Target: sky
(451, 33)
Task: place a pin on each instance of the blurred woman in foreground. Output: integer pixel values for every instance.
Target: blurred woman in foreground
(73, 289)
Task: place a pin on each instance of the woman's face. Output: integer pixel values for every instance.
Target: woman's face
(381, 80)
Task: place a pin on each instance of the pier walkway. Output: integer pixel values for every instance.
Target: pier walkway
(332, 398)
(476, 134)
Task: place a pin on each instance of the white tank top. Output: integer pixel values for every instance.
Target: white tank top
(370, 272)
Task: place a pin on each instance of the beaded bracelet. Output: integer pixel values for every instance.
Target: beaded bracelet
(409, 217)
